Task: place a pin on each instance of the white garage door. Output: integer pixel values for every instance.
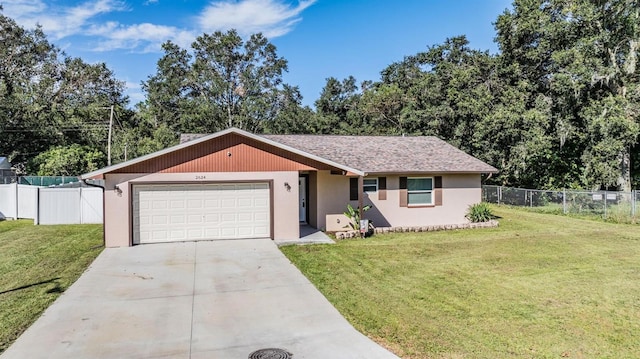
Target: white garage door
(184, 212)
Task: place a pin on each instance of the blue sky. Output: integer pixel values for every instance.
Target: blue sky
(319, 38)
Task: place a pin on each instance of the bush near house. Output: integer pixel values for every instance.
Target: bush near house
(480, 212)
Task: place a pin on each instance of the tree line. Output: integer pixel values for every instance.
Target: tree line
(556, 107)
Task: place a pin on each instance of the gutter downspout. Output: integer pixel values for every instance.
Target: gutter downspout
(104, 232)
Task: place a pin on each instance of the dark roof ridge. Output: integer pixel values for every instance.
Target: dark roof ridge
(337, 135)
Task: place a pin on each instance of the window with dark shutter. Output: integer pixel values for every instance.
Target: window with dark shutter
(420, 191)
(353, 188)
(437, 184)
(403, 191)
(369, 184)
(382, 188)
(437, 181)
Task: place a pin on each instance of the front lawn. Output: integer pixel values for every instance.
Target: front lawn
(539, 286)
(37, 264)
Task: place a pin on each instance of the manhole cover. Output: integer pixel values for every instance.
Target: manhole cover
(270, 353)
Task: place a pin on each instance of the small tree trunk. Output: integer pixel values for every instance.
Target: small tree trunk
(624, 181)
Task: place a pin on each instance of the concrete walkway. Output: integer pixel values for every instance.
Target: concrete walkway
(217, 299)
(308, 235)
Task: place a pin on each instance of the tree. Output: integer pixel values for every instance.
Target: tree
(167, 90)
(582, 55)
(613, 47)
(224, 82)
(446, 91)
(611, 129)
(383, 106)
(72, 160)
(455, 93)
(292, 117)
(48, 99)
(25, 57)
(337, 108)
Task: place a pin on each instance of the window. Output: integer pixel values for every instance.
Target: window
(420, 191)
(370, 185)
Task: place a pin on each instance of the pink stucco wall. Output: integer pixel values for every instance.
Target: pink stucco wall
(458, 193)
(329, 192)
(332, 196)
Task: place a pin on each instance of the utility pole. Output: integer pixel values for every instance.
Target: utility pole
(109, 140)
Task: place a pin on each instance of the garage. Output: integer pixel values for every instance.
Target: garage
(227, 185)
(188, 212)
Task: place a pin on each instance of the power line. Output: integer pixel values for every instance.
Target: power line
(119, 123)
(64, 129)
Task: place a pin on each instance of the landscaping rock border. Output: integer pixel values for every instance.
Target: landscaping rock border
(442, 227)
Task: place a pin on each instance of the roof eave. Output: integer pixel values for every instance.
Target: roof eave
(429, 172)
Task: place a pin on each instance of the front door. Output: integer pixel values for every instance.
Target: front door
(302, 194)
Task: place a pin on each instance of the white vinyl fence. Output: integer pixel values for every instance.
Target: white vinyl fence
(27, 201)
(8, 201)
(51, 205)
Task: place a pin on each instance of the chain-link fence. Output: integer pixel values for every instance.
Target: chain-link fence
(7, 176)
(608, 204)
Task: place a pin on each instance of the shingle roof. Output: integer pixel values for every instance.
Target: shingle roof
(383, 154)
(387, 154)
(186, 137)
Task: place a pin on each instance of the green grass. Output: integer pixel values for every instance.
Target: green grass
(37, 264)
(616, 213)
(539, 286)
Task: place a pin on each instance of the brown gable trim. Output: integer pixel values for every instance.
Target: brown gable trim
(228, 153)
(117, 168)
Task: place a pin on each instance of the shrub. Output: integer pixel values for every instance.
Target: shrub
(354, 215)
(479, 212)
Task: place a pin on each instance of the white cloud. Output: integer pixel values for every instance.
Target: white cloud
(59, 21)
(271, 17)
(132, 85)
(133, 90)
(143, 37)
(16, 7)
(136, 97)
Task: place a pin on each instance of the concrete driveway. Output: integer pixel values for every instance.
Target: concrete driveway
(214, 299)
